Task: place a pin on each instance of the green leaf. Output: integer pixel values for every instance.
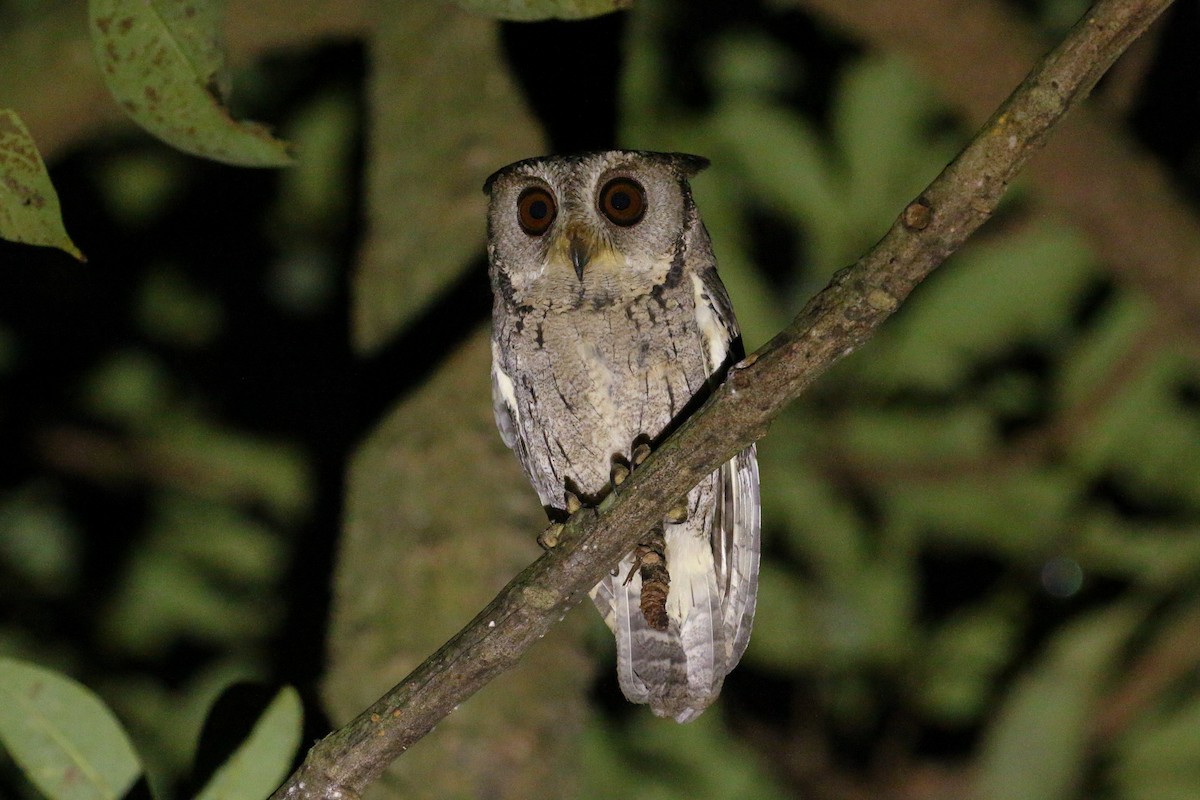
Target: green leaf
(205, 573)
(131, 388)
(530, 10)
(29, 210)
(265, 758)
(1035, 749)
(819, 524)
(789, 166)
(1163, 554)
(915, 437)
(164, 63)
(869, 616)
(173, 309)
(167, 720)
(38, 540)
(224, 464)
(63, 736)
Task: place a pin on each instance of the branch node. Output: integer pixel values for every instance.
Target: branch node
(917, 215)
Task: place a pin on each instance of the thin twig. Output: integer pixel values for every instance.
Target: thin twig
(832, 325)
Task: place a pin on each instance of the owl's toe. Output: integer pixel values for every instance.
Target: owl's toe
(548, 539)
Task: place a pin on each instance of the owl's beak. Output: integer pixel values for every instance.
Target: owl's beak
(580, 251)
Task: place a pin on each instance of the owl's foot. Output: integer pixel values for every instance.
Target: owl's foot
(650, 561)
(620, 472)
(548, 539)
(622, 468)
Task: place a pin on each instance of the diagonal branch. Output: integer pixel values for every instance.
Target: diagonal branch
(832, 325)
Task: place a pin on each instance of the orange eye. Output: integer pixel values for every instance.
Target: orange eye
(535, 210)
(623, 201)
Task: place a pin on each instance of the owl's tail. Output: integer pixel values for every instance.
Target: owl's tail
(712, 558)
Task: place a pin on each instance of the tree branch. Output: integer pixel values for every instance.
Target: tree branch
(832, 325)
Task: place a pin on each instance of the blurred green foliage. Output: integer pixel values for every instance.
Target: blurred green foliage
(71, 746)
(980, 531)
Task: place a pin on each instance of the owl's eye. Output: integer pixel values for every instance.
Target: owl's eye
(535, 210)
(623, 201)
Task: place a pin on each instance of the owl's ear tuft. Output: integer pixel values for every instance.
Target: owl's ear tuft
(487, 184)
(689, 164)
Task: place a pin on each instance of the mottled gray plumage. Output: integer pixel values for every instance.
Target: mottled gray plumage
(610, 321)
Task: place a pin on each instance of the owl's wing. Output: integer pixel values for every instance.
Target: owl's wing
(504, 400)
(735, 542)
(736, 527)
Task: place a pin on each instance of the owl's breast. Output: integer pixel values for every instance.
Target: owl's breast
(591, 380)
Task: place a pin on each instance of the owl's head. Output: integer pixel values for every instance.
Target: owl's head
(602, 225)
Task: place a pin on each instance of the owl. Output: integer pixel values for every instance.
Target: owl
(610, 326)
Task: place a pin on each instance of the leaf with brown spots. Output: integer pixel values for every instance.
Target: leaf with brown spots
(164, 62)
(29, 210)
(62, 736)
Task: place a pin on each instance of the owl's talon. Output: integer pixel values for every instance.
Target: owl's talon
(620, 472)
(641, 452)
(548, 539)
(573, 502)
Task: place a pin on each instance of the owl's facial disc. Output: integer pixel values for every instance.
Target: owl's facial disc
(621, 203)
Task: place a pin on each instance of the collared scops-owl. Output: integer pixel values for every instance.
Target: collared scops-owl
(610, 325)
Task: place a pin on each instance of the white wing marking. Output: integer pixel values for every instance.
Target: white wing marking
(504, 401)
(713, 330)
(740, 517)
